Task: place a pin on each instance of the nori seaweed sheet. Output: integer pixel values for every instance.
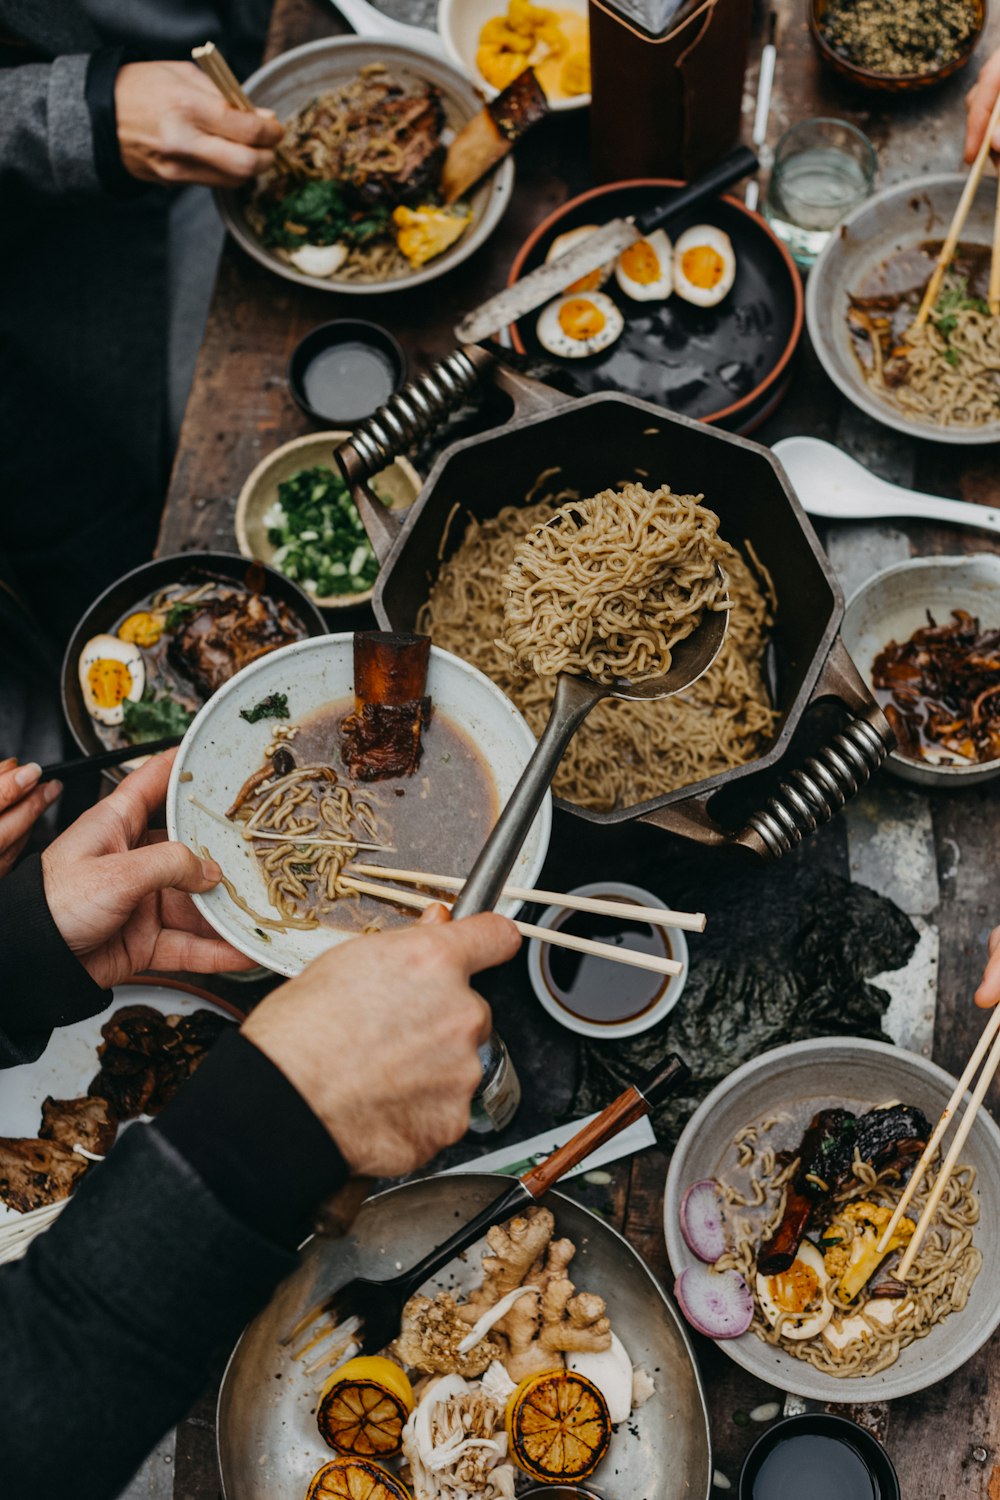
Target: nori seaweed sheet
(811, 979)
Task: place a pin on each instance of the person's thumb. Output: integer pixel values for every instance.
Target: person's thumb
(434, 915)
(164, 867)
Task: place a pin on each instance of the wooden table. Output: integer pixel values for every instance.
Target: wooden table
(934, 855)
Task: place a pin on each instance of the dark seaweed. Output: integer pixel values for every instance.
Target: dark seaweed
(274, 706)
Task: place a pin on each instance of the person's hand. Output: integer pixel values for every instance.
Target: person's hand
(988, 993)
(379, 1036)
(979, 102)
(174, 126)
(116, 890)
(22, 802)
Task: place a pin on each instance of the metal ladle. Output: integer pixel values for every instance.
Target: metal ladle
(575, 697)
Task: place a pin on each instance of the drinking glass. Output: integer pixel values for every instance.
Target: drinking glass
(822, 170)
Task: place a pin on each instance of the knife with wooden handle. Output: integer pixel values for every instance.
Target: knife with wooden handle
(604, 245)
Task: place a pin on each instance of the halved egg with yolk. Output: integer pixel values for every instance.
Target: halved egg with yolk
(704, 265)
(573, 327)
(563, 243)
(111, 671)
(798, 1295)
(644, 270)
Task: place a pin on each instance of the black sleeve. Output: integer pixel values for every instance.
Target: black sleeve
(42, 985)
(99, 92)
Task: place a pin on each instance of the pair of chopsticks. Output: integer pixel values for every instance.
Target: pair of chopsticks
(958, 224)
(656, 916)
(212, 63)
(988, 1042)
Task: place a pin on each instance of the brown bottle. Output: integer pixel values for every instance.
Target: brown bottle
(667, 80)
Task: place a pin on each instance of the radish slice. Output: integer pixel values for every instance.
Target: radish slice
(701, 1221)
(717, 1303)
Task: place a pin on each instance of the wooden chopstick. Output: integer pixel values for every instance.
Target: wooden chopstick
(656, 916)
(212, 63)
(991, 1034)
(993, 295)
(558, 939)
(958, 220)
(103, 759)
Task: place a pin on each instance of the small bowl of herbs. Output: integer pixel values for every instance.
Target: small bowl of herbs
(896, 46)
(295, 514)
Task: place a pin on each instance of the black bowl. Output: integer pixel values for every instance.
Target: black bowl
(130, 589)
(379, 360)
(823, 1424)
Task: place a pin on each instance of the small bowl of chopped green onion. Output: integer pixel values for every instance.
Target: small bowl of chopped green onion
(295, 514)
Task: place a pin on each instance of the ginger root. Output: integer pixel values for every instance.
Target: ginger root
(516, 1246)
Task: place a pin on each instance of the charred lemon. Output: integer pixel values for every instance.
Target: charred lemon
(355, 1479)
(558, 1426)
(364, 1407)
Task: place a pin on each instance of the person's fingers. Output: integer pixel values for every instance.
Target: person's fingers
(994, 941)
(16, 781)
(139, 795)
(259, 127)
(434, 915)
(10, 854)
(8, 763)
(195, 954)
(988, 993)
(17, 822)
(210, 153)
(159, 867)
(480, 942)
(979, 104)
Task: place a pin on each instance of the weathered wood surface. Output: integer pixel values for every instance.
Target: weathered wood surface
(936, 855)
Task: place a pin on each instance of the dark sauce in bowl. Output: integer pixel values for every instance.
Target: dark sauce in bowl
(814, 1465)
(599, 990)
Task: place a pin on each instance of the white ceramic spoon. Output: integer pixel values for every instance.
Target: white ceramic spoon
(832, 484)
(367, 21)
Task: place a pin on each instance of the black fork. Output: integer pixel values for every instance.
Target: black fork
(378, 1305)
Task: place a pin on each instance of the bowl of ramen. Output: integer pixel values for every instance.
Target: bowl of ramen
(926, 635)
(270, 781)
(352, 203)
(159, 642)
(777, 1193)
(941, 381)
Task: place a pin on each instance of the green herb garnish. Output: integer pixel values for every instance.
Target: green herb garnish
(274, 706)
(315, 213)
(320, 539)
(177, 614)
(952, 356)
(153, 718)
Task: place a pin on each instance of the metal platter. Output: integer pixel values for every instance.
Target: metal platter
(268, 1443)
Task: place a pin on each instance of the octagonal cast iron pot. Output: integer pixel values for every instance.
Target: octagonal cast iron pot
(597, 442)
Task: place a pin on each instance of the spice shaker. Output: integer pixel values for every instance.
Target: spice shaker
(667, 85)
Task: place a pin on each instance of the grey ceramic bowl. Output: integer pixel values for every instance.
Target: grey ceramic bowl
(288, 83)
(860, 1074)
(899, 216)
(895, 603)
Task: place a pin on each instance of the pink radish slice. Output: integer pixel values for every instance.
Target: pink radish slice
(701, 1221)
(717, 1303)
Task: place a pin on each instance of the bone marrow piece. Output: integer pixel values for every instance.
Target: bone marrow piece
(383, 736)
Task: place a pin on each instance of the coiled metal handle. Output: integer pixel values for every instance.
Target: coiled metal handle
(416, 410)
(816, 791)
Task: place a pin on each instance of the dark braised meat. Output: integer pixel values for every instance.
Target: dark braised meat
(223, 635)
(881, 1137)
(135, 1029)
(145, 1057)
(34, 1173)
(90, 1123)
(382, 737)
(392, 152)
(943, 690)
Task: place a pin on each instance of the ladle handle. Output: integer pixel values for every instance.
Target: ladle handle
(575, 697)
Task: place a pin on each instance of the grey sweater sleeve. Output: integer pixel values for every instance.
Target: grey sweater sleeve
(111, 1322)
(46, 136)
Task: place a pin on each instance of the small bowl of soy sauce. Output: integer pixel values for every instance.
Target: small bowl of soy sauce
(599, 997)
(819, 1455)
(343, 371)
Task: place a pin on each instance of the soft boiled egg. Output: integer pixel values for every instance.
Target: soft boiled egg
(704, 265)
(798, 1294)
(111, 670)
(563, 243)
(573, 327)
(644, 270)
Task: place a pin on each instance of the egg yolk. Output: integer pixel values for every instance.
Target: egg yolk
(141, 629)
(795, 1289)
(639, 263)
(110, 681)
(580, 319)
(702, 266)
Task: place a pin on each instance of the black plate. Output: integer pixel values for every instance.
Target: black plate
(727, 364)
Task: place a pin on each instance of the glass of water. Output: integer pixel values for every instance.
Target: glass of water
(822, 170)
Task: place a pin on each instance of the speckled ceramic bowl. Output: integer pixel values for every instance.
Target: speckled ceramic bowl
(861, 1074)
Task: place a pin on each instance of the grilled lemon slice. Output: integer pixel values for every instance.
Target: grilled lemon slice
(364, 1407)
(558, 1426)
(356, 1479)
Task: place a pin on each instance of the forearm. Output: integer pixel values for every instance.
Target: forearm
(46, 137)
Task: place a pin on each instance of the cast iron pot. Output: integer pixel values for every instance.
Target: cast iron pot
(596, 442)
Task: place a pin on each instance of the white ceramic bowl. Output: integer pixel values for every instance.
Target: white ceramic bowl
(862, 1074)
(615, 1032)
(895, 603)
(459, 23)
(220, 750)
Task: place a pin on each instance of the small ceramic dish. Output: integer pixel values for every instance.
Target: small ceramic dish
(858, 1074)
(820, 1424)
(890, 83)
(459, 23)
(674, 946)
(895, 603)
(221, 749)
(398, 486)
(343, 371)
